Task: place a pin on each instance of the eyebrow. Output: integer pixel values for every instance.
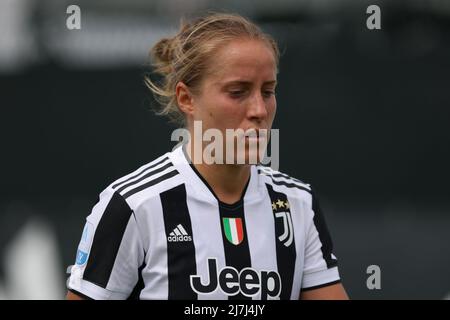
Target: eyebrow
(243, 82)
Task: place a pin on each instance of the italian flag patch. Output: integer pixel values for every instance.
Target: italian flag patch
(233, 230)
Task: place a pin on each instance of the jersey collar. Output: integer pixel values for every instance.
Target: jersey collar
(201, 187)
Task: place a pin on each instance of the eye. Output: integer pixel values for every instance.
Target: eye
(268, 93)
(236, 93)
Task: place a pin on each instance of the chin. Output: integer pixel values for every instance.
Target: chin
(252, 156)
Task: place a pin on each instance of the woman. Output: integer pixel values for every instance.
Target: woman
(182, 229)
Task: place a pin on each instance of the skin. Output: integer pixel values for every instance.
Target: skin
(241, 94)
(72, 296)
(238, 94)
(333, 292)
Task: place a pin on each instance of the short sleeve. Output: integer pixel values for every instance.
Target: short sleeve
(110, 251)
(320, 266)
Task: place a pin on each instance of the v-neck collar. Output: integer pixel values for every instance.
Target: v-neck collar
(202, 189)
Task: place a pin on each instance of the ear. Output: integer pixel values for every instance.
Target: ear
(184, 99)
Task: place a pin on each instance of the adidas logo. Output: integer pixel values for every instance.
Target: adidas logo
(179, 234)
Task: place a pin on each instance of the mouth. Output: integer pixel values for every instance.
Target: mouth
(256, 137)
(258, 134)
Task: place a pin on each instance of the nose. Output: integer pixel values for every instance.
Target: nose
(258, 109)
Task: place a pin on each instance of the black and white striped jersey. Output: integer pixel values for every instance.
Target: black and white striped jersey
(161, 233)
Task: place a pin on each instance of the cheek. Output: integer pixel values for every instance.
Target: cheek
(219, 111)
(226, 111)
(272, 109)
(210, 113)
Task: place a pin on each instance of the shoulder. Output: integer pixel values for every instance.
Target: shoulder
(145, 182)
(282, 182)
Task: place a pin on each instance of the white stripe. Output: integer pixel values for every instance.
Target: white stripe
(286, 189)
(262, 246)
(177, 232)
(130, 254)
(142, 196)
(284, 178)
(156, 272)
(132, 181)
(234, 234)
(183, 231)
(153, 177)
(291, 181)
(144, 167)
(207, 239)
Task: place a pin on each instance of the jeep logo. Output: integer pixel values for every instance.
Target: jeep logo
(248, 282)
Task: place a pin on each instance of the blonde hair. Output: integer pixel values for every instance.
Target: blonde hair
(186, 56)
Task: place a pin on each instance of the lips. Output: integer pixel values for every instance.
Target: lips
(255, 133)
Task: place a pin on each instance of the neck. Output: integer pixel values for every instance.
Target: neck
(226, 180)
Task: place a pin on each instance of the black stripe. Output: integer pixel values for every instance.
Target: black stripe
(151, 183)
(180, 255)
(139, 173)
(147, 175)
(321, 285)
(285, 183)
(135, 294)
(285, 176)
(277, 174)
(324, 234)
(286, 255)
(107, 239)
(236, 256)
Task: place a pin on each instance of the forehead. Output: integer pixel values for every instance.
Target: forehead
(245, 59)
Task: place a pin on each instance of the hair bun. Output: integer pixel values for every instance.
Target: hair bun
(163, 51)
